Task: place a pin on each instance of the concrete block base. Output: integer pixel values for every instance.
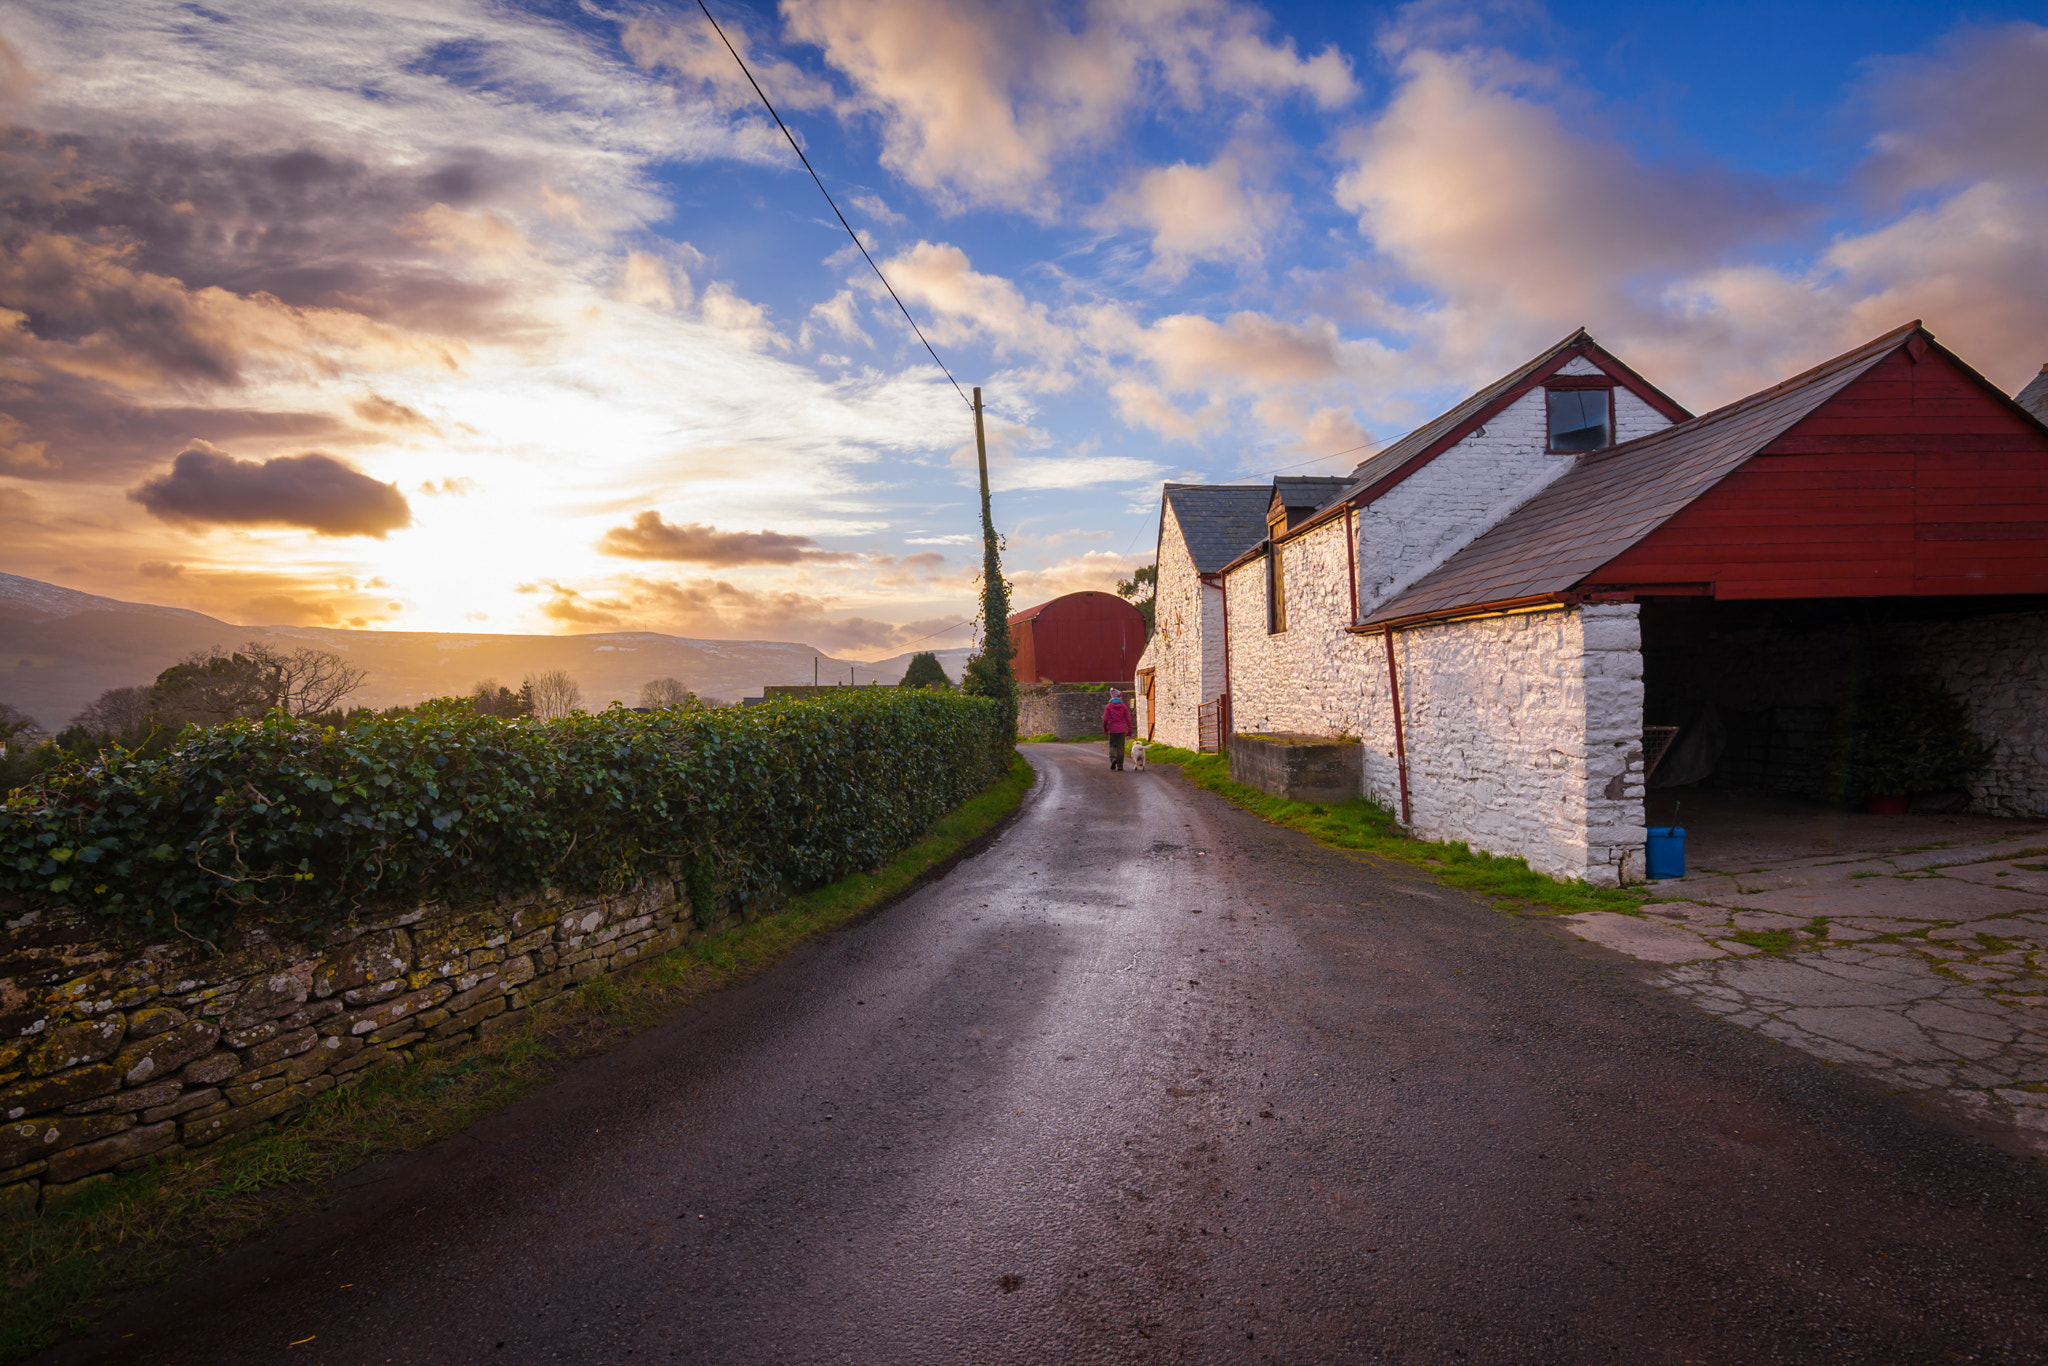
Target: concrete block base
(1299, 768)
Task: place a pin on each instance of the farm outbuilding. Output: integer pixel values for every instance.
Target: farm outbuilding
(1532, 602)
(1079, 638)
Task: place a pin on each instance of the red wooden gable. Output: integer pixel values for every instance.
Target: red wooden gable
(1915, 479)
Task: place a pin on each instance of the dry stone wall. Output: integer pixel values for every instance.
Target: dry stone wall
(116, 1052)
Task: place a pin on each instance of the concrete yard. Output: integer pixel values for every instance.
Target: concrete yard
(1913, 949)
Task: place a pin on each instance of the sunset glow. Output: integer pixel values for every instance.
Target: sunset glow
(554, 279)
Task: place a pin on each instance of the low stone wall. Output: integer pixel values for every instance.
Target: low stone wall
(1300, 768)
(1065, 710)
(115, 1052)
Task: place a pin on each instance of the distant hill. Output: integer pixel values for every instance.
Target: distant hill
(60, 648)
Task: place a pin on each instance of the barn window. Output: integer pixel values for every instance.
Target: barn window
(1581, 419)
(1276, 590)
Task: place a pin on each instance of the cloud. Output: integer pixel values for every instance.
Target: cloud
(874, 206)
(964, 303)
(454, 486)
(159, 569)
(979, 99)
(1202, 213)
(719, 609)
(383, 412)
(645, 280)
(649, 537)
(687, 47)
(314, 491)
(839, 314)
(1482, 192)
(1971, 110)
(1094, 571)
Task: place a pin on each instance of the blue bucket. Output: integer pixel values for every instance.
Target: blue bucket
(1666, 855)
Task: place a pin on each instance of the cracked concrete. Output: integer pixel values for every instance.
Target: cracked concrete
(1926, 969)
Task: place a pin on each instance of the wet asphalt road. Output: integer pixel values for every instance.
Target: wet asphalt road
(1150, 1080)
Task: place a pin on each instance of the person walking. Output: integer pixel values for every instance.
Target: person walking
(1116, 724)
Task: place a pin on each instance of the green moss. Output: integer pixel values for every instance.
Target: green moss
(1371, 828)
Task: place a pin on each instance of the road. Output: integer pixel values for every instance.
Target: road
(1151, 1080)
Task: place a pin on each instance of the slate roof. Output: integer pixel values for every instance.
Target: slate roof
(2034, 398)
(1611, 499)
(1219, 521)
(1308, 490)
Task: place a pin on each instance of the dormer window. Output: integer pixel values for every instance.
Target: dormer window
(1581, 413)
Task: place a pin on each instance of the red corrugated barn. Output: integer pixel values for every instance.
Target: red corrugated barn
(1080, 638)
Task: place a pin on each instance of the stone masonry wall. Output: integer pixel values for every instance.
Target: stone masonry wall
(1309, 678)
(1065, 710)
(1186, 649)
(1417, 525)
(115, 1051)
(1524, 736)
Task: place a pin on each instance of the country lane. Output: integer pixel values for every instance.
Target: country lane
(1149, 1080)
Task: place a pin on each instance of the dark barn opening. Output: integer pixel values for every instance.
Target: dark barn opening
(1755, 686)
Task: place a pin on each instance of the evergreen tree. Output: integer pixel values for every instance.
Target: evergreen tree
(1144, 581)
(925, 672)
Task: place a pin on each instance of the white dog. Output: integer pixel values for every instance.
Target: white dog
(1138, 755)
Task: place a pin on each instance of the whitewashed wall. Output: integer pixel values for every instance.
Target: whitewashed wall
(1423, 521)
(1308, 678)
(1186, 649)
(1524, 736)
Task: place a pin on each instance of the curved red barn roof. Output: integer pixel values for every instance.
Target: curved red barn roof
(1079, 638)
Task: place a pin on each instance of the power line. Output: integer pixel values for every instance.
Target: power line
(829, 200)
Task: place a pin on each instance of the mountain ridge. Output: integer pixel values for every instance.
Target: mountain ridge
(61, 647)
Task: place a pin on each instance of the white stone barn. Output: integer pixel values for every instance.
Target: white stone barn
(1473, 602)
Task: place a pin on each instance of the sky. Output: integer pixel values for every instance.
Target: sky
(445, 315)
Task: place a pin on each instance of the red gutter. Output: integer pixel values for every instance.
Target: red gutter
(1400, 740)
(1477, 609)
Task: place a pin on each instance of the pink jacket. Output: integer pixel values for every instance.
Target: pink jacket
(1116, 719)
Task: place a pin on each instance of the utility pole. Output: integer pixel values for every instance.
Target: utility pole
(989, 675)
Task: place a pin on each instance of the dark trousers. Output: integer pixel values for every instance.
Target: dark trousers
(1116, 751)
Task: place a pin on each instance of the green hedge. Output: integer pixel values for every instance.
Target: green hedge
(282, 817)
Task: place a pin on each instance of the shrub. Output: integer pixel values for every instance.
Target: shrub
(1903, 735)
(282, 817)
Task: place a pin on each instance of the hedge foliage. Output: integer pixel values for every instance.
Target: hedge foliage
(278, 816)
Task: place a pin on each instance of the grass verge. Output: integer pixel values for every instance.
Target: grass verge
(62, 1270)
(1367, 826)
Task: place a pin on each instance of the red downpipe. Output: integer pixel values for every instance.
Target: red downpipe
(1400, 743)
(1351, 557)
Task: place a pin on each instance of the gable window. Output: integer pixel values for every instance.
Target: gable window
(1276, 590)
(1581, 419)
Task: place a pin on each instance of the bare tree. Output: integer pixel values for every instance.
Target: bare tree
(18, 727)
(117, 711)
(664, 693)
(210, 687)
(555, 694)
(308, 681)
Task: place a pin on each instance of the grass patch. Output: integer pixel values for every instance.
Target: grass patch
(1770, 941)
(1050, 739)
(1367, 826)
(62, 1270)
